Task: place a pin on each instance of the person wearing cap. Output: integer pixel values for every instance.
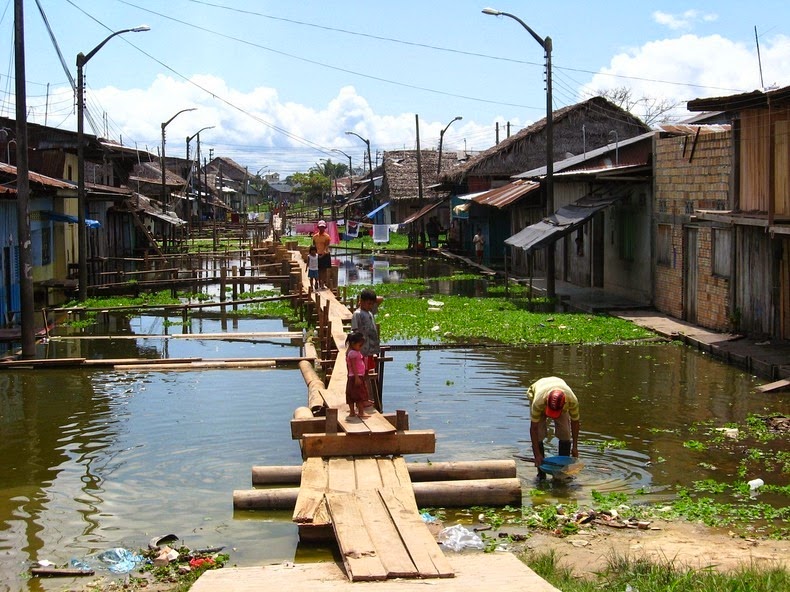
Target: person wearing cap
(321, 241)
(552, 399)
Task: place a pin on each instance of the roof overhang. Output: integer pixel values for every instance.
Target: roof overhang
(422, 211)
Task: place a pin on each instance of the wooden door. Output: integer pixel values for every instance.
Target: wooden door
(690, 270)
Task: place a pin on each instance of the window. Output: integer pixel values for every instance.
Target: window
(664, 244)
(721, 243)
(46, 245)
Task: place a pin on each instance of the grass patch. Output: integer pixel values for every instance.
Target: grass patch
(631, 573)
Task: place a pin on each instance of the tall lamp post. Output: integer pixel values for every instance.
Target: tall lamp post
(165, 201)
(441, 139)
(547, 47)
(370, 162)
(82, 233)
(197, 154)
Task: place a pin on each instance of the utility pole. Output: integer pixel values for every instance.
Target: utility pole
(419, 177)
(23, 188)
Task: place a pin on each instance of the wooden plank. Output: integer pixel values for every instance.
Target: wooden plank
(314, 482)
(389, 478)
(359, 553)
(367, 473)
(774, 386)
(386, 540)
(377, 424)
(316, 425)
(423, 550)
(352, 425)
(404, 480)
(411, 442)
(342, 476)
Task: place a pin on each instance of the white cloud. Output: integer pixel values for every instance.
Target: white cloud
(257, 128)
(689, 67)
(683, 21)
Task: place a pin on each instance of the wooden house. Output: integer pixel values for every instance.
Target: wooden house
(577, 130)
(750, 223)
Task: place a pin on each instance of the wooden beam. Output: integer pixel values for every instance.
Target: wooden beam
(411, 442)
(317, 425)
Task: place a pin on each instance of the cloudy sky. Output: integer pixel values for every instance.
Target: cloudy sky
(282, 81)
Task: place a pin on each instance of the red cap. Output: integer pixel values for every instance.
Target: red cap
(555, 403)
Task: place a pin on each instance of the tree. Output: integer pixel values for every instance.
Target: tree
(651, 110)
(313, 184)
(331, 170)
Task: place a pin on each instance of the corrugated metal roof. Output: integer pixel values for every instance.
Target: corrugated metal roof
(566, 219)
(507, 194)
(38, 178)
(424, 210)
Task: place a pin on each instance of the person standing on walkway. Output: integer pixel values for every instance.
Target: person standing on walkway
(356, 384)
(552, 399)
(312, 267)
(364, 321)
(321, 241)
(479, 242)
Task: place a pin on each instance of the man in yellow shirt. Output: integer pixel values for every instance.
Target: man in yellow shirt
(552, 399)
(321, 241)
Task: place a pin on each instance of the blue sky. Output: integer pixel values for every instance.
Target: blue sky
(282, 81)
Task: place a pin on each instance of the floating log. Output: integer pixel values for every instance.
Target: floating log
(199, 365)
(302, 413)
(418, 472)
(449, 494)
(59, 572)
(282, 498)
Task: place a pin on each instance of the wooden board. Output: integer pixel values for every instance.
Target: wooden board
(359, 553)
(378, 424)
(385, 537)
(410, 442)
(774, 386)
(342, 475)
(352, 425)
(423, 550)
(314, 482)
(317, 425)
(367, 474)
(404, 483)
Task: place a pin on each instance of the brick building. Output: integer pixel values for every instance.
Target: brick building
(693, 170)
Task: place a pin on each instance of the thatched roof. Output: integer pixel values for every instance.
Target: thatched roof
(400, 173)
(526, 149)
(151, 172)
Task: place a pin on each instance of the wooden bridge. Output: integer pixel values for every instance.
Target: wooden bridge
(355, 486)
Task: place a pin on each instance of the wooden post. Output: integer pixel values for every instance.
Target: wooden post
(223, 280)
(331, 420)
(235, 283)
(402, 422)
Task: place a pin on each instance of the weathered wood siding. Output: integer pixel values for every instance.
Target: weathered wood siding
(753, 287)
(754, 159)
(782, 168)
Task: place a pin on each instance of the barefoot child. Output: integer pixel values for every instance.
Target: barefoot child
(356, 386)
(312, 267)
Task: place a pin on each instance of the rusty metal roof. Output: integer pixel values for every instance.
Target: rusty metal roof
(507, 194)
(38, 178)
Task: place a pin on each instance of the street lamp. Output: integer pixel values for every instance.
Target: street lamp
(441, 139)
(349, 163)
(196, 135)
(165, 201)
(82, 233)
(370, 162)
(192, 176)
(547, 47)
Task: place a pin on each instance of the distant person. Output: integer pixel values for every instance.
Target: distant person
(312, 267)
(364, 321)
(479, 242)
(321, 241)
(356, 384)
(552, 399)
(433, 229)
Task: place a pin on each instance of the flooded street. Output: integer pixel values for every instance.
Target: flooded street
(94, 459)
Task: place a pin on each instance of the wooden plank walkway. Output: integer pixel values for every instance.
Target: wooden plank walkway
(370, 504)
(474, 572)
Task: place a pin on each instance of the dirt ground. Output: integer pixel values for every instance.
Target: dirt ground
(683, 543)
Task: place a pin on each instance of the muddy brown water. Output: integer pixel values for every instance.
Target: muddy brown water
(92, 460)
